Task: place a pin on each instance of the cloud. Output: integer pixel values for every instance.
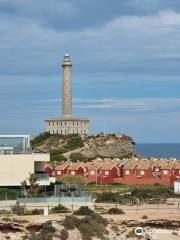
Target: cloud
(127, 44)
(157, 105)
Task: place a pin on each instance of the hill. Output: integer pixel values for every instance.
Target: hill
(62, 147)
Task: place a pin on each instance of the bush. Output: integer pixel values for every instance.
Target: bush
(10, 194)
(74, 142)
(71, 222)
(17, 209)
(58, 158)
(74, 157)
(64, 234)
(59, 209)
(37, 211)
(46, 233)
(84, 210)
(144, 217)
(89, 226)
(70, 179)
(40, 138)
(115, 211)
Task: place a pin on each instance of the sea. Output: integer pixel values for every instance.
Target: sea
(158, 150)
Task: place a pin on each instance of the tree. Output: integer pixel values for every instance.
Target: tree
(30, 186)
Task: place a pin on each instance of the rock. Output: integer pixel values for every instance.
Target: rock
(11, 227)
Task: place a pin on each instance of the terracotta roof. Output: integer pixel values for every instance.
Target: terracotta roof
(130, 165)
(87, 164)
(62, 167)
(177, 165)
(75, 166)
(107, 166)
(95, 165)
(143, 165)
(157, 163)
(168, 165)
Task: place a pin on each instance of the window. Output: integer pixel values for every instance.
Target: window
(179, 171)
(72, 172)
(156, 169)
(58, 172)
(127, 172)
(142, 172)
(106, 173)
(165, 172)
(92, 172)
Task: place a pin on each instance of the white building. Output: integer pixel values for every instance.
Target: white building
(177, 187)
(17, 161)
(14, 168)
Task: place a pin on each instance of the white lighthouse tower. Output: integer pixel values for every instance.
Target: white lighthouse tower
(67, 123)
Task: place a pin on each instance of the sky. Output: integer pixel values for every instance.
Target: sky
(126, 65)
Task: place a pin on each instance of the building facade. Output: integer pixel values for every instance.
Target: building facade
(15, 168)
(67, 123)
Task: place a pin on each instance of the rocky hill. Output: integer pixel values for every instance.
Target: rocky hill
(90, 147)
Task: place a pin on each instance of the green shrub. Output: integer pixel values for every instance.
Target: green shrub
(17, 209)
(71, 222)
(64, 234)
(74, 142)
(9, 194)
(37, 211)
(58, 158)
(84, 210)
(70, 179)
(40, 138)
(115, 211)
(46, 233)
(59, 209)
(91, 227)
(76, 156)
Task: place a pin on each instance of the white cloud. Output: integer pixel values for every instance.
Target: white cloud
(138, 104)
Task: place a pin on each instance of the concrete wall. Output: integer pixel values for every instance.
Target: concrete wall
(16, 168)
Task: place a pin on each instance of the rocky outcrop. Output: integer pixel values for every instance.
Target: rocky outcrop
(108, 146)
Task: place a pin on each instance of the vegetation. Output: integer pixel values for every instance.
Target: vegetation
(74, 141)
(70, 179)
(46, 233)
(64, 234)
(115, 211)
(89, 226)
(9, 194)
(93, 187)
(37, 211)
(40, 138)
(59, 209)
(84, 210)
(30, 187)
(17, 209)
(153, 193)
(58, 157)
(74, 157)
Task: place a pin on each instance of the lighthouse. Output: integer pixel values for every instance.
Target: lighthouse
(67, 123)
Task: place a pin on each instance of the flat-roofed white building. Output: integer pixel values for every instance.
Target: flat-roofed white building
(177, 187)
(14, 168)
